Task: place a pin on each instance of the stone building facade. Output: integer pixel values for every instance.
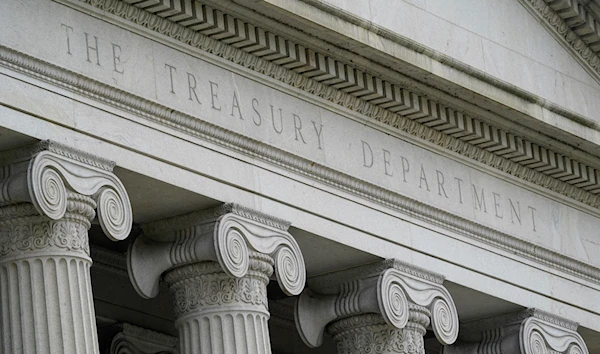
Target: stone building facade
(299, 176)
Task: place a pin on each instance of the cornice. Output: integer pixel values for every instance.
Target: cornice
(382, 101)
(449, 137)
(574, 27)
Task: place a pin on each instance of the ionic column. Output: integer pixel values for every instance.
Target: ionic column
(382, 308)
(131, 339)
(48, 198)
(217, 264)
(527, 332)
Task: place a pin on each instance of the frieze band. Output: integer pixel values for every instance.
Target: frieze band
(192, 125)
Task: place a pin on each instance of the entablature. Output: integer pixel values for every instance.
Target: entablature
(392, 108)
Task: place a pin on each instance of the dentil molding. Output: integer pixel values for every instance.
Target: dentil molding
(247, 44)
(574, 26)
(530, 331)
(532, 164)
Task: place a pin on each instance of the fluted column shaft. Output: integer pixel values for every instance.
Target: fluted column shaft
(221, 314)
(48, 196)
(369, 333)
(45, 289)
(217, 263)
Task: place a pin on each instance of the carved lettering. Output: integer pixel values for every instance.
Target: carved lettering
(116, 49)
(213, 95)
(278, 131)
(97, 51)
(235, 104)
(366, 145)
(533, 210)
(497, 205)
(405, 167)
(191, 87)
(422, 179)
(298, 127)
(479, 203)
(318, 132)
(459, 184)
(94, 49)
(515, 212)
(171, 70)
(440, 180)
(67, 28)
(280, 117)
(386, 163)
(255, 107)
(453, 193)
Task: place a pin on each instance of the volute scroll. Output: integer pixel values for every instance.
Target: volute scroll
(396, 292)
(226, 235)
(45, 173)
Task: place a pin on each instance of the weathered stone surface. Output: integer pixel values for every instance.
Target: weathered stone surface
(49, 196)
(499, 38)
(383, 307)
(217, 263)
(327, 136)
(527, 332)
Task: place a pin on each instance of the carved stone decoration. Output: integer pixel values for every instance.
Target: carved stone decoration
(574, 27)
(447, 126)
(48, 198)
(527, 332)
(370, 334)
(136, 340)
(44, 173)
(386, 102)
(225, 235)
(217, 264)
(384, 307)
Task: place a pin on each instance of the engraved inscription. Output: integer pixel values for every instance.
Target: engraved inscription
(241, 103)
(92, 48)
(442, 184)
(209, 93)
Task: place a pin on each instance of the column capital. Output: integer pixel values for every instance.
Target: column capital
(49, 194)
(530, 331)
(131, 339)
(226, 235)
(47, 174)
(389, 288)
